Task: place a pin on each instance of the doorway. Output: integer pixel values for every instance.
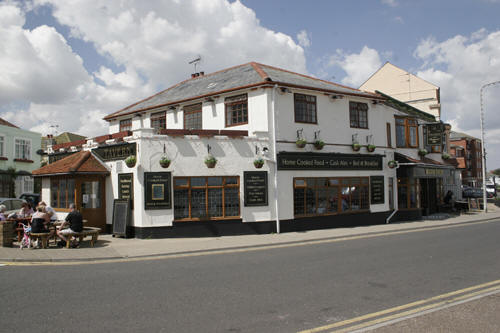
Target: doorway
(428, 194)
(92, 201)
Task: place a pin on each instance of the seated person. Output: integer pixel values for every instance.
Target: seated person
(75, 222)
(2, 213)
(39, 221)
(50, 211)
(26, 210)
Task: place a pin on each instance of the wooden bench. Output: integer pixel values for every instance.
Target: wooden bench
(43, 236)
(87, 231)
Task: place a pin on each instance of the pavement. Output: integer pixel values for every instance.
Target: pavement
(114, 248)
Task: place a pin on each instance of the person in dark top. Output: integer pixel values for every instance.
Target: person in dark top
(74, 221)
(39, 221)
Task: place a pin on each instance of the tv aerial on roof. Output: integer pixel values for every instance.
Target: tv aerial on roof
(195, 62)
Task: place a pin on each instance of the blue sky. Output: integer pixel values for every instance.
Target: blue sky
(72, 62)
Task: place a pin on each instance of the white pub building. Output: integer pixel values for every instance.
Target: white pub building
(249, 149)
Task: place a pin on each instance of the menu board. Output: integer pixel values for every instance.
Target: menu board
(376, 190)
(157, 192)
(126, 187)
(121, 217)
(255, 188)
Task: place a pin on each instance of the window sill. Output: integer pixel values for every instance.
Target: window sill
(23, 160)
(3, 158)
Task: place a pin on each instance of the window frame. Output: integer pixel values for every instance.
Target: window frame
(363, 181)
(232, 101)
(389, 134)
(357, 119)
(407, 126)
(314, 113)
(206, 187)
(29, 148)
(160, 117)
(192, 111)
(2, 145)
(125, 125)
(58, 200)
(408, 183)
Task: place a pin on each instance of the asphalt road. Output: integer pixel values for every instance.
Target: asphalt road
(275, 290)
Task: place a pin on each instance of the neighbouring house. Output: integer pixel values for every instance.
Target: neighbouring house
(55, 143)
(252, 149)
(405, 87)
(18, 158)
(467, 151)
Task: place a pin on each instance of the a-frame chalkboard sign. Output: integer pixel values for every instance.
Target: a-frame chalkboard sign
(121, 217)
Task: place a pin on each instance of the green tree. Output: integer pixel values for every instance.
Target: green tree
(496, 172)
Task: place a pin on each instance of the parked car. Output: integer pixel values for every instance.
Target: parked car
(491, 190)
(13, 205)
(32, 198)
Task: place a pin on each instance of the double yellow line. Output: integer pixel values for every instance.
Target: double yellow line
(407, 310)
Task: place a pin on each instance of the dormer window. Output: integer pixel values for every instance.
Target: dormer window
(192, 116)
(126, 125)
(236, 110)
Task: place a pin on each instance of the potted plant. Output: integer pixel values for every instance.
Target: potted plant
(130, 161)
(210, 161)
(356, 146)
(445, 156)
(301, 143)
(371, 148)
(258, 163)
(164, 162)
(392, 164)
(319, 144)
(423, 152)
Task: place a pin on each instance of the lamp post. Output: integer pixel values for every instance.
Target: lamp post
(485, 209)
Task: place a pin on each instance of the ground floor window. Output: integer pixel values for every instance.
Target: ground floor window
(197, 198)
(6, 186)
(326, 196)
(408, 193)
(62, 192)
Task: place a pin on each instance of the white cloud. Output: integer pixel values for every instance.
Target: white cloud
(303, 38)
(151, 41)
(392, 3)
(358, 66)
(460, 66)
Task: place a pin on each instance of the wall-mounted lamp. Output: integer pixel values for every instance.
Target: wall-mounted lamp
(256, 150)
(284, 90)
(375, 102)
(316, 135)
(209, 99)
(335, 97)
(299, 133)
(137, 115)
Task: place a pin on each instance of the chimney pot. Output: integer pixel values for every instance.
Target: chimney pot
(193, 75)
(202, 73)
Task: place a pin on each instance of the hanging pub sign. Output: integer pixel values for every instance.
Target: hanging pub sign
(126, 187)
(376, 190)
(434, 134)
(115, 152)
(255, 188)
(157, 190)
(315, 161)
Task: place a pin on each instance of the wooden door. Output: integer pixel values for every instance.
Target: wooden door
(91, 194)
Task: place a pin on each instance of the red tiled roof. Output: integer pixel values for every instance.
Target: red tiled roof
(82, 162)
(6, 123)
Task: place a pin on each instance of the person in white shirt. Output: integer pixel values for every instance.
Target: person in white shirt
(50, 211)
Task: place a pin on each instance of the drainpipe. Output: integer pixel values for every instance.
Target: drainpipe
(274, 134)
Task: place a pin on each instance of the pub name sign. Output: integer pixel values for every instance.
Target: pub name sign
(115, 152)
(294, 161)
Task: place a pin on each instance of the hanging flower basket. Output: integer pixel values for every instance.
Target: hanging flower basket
(319, 144)
(164, 162)
(422, 152)
(301, 143)
(445, 156)
(392, 164)
(356, 146)
(131, 161)
(371, 148)
(258, 163)
(210, 161)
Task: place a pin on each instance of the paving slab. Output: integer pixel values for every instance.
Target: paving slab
(109, 247)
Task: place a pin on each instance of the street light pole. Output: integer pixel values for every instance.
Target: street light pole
(485, 202)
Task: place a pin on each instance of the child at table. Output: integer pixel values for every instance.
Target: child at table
(26, 210)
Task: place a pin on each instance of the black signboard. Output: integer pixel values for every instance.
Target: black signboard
(377, 190)
(157, 190)
(316, 161)
(255, 188)
(58, 156)
(126, 187)
(121, 217)
(434, 134)
(115, 152)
